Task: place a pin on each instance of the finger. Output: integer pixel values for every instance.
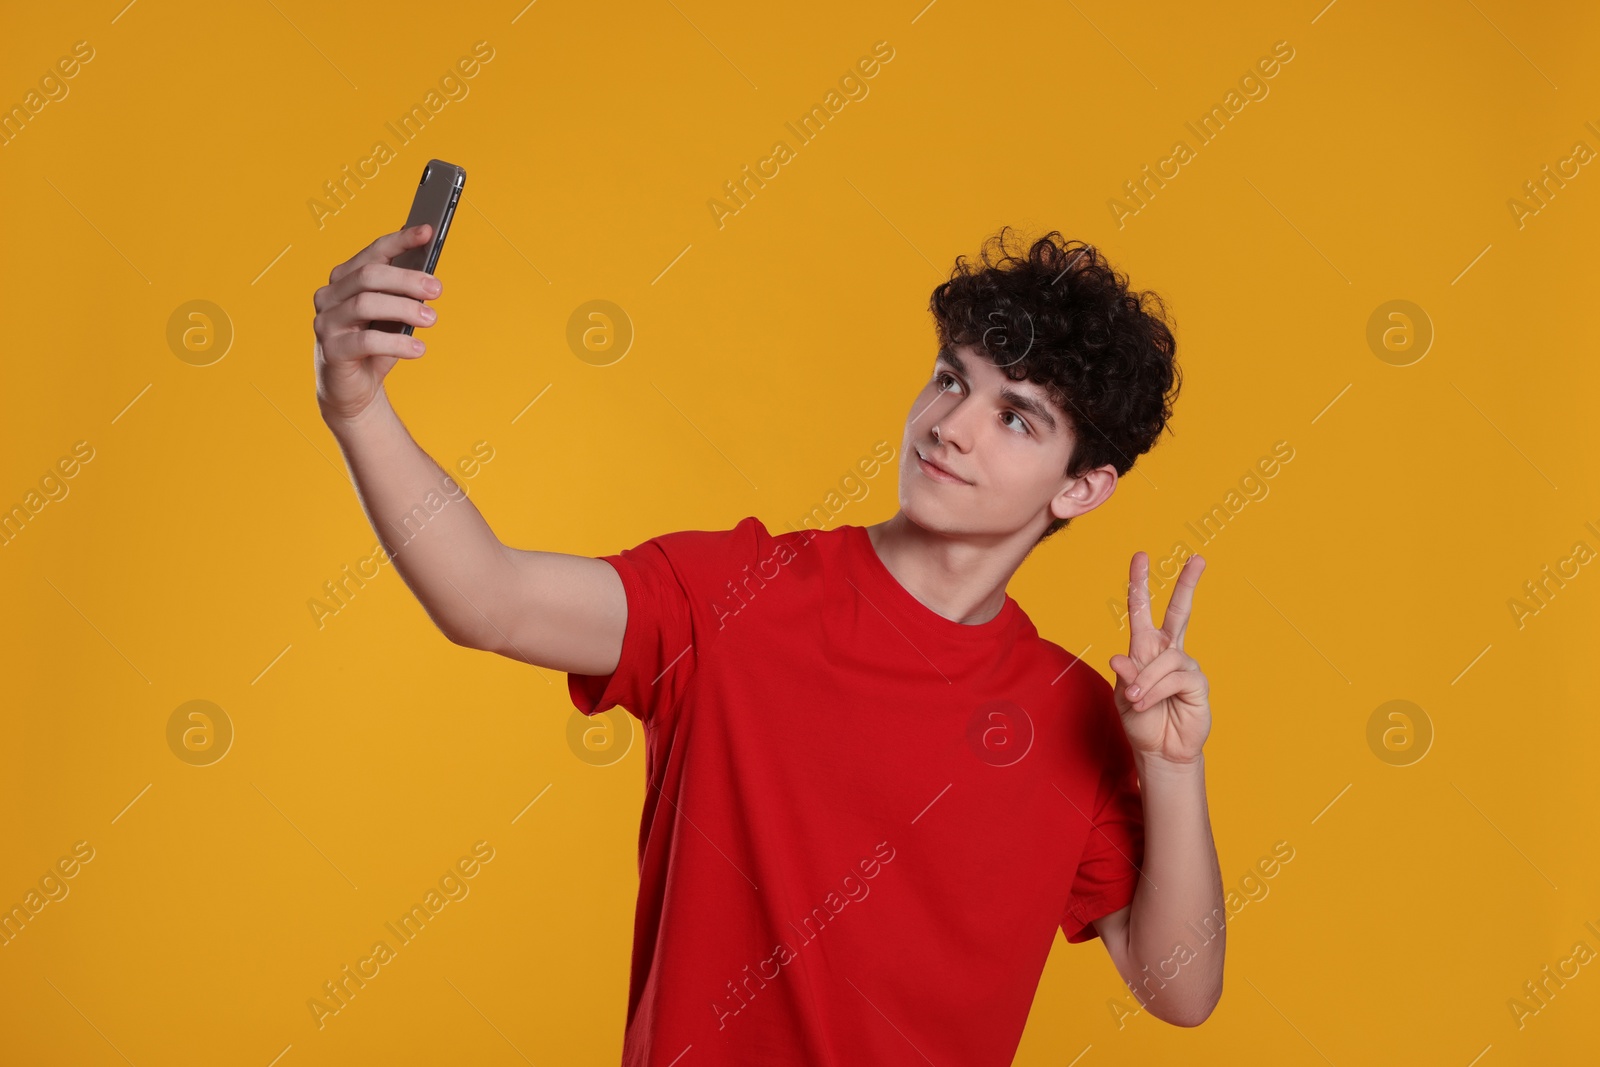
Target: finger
(1176, 620)
(1124, 668)
(380, 278)
(1173, 659)
(359, 344)
(367, 306)
(1189, 682)
(1139, 594)
(383, 249)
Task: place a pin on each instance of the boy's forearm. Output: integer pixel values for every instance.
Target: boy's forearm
(438, 540)
(1176, 934)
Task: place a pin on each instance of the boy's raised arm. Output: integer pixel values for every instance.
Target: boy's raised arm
(556, 610)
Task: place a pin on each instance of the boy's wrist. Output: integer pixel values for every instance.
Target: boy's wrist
(352, 428)
(1159, 768)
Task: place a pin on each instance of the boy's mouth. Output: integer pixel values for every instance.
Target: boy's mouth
(938, 473)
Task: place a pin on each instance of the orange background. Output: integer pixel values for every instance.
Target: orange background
(769, 355)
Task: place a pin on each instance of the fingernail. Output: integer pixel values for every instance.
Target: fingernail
(416, 346)
(428, 314)
(433, 287)
(1133, 691)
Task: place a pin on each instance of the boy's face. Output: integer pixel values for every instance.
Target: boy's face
(1005, 439)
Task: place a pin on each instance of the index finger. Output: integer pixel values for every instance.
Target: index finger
(1139, 594)
(383, 249)
(1177, 617)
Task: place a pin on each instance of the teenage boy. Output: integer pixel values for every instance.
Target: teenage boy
(875, 792)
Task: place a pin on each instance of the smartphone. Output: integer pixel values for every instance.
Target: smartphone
(434, 203)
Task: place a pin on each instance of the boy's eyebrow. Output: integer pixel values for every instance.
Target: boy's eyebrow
(1017, 400)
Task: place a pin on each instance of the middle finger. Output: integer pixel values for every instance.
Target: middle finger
(382, 278)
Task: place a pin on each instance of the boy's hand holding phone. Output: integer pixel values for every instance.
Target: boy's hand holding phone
(352, 355)
(373, 300)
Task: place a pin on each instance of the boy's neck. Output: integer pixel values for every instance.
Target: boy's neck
(962, 579)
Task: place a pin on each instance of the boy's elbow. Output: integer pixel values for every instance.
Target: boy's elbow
(1191, 1016)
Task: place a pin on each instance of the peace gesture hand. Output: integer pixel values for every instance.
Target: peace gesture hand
(1160, 690)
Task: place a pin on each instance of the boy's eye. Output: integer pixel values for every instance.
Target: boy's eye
(941, 378)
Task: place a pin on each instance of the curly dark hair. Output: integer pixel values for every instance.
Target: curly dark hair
(1058, 315)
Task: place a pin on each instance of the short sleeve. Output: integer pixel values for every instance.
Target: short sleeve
(1108, 871)
(677, 588)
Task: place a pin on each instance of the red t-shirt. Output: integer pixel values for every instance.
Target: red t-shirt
(864, 822)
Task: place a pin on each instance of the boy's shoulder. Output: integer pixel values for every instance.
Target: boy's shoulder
(1069, 672)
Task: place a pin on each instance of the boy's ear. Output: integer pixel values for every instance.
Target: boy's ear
(1085, 493)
